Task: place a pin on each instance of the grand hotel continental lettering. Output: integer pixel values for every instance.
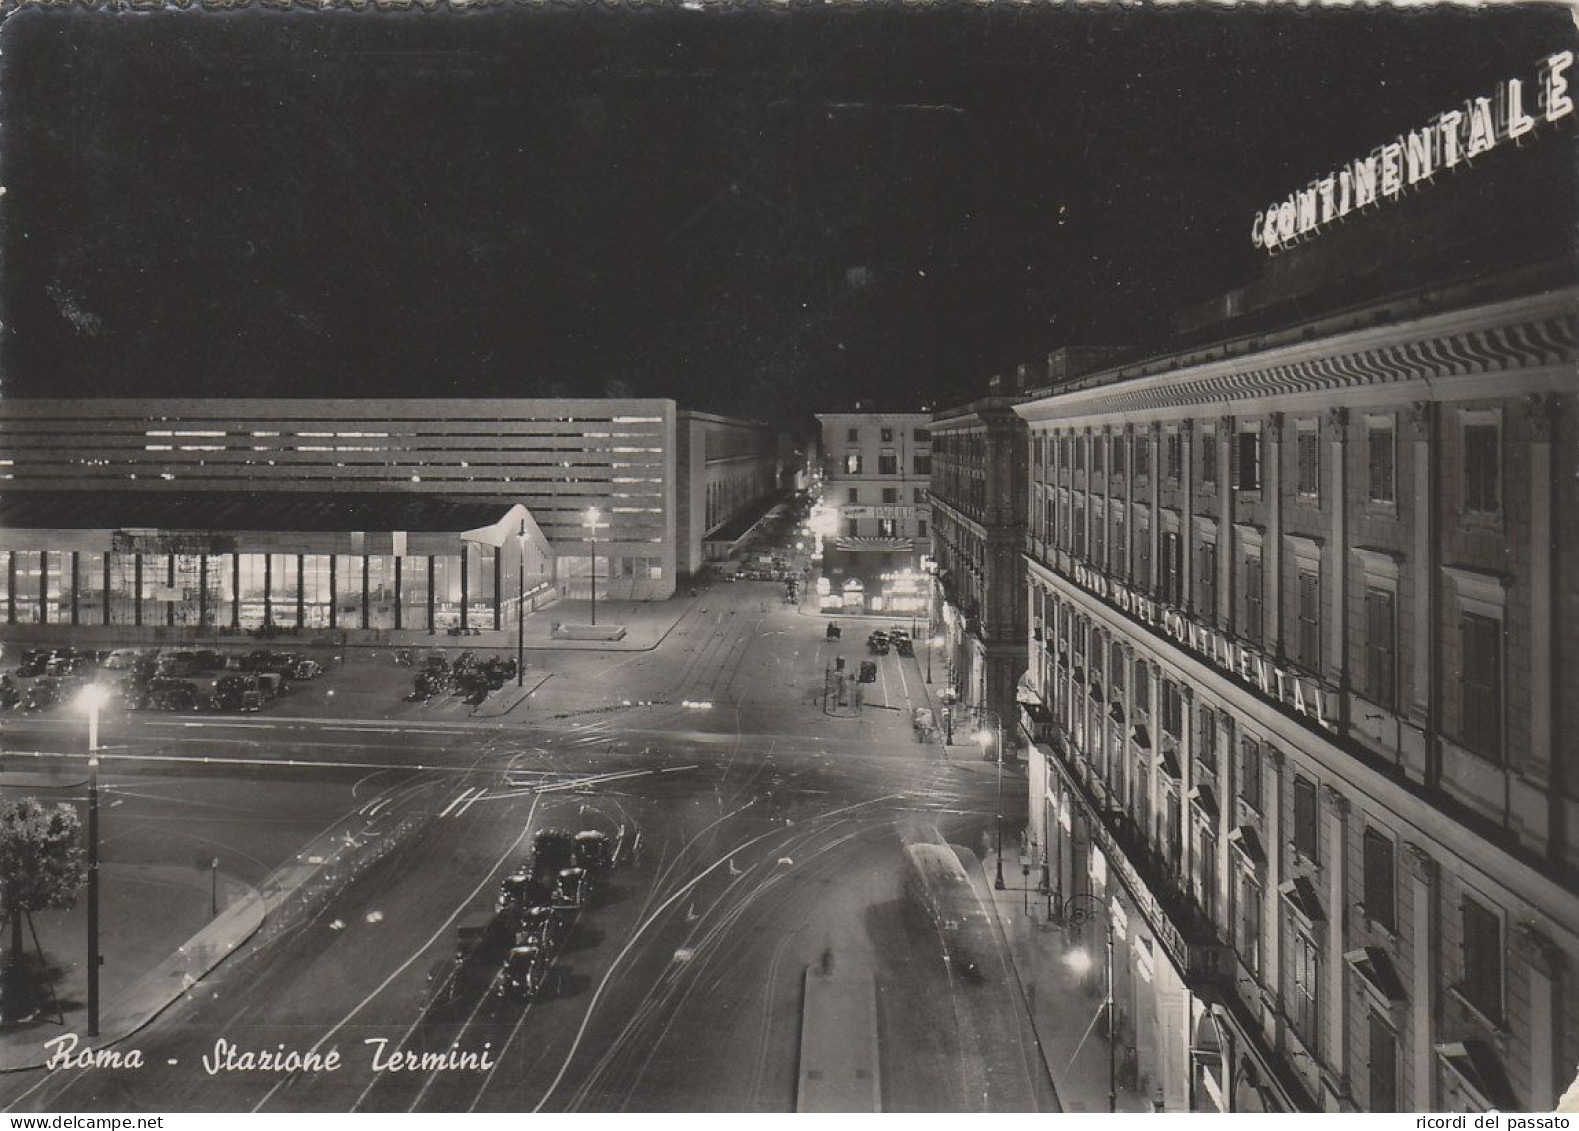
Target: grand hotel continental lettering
(1290, 688)
(1453, 138)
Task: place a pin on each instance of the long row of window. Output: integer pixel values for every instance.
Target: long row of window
(1109, 453)
(1105, 691)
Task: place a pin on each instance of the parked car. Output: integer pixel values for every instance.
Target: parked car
(34, 661)
(209, 660)
(306, 669)
(281, 663)
(169, 694)
(45, 692)
(272, 684)
(176, 665)
(868, 671)
(237, 691)
(877, 643)
(121, 659)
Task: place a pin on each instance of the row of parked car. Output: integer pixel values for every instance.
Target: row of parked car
(156, 679)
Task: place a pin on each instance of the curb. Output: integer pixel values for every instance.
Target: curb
(178, 973)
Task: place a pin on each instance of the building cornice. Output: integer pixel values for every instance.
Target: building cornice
(1527, 333)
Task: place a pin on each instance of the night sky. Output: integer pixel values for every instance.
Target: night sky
(758, 213)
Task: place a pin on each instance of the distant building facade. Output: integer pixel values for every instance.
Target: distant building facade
(209, 515)
(978, 498)
(877, 468)
(1302, 610)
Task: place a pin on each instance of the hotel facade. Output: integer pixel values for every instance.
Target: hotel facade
(1301, 610)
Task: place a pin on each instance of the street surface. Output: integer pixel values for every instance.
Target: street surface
(759, 837)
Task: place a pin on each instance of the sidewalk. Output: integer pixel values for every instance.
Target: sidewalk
(1061, 1007)
(158, 938)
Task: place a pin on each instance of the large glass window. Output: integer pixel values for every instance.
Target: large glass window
(1247, 918)
(479, 585)
(187, 594)
(284, 589)
(1247, 460)
(317, 598)
(158, 608)
(58, 585)
(381, 591)
(414, 592)
(253, 589)
(221, 589)
(446, 591)
(29, 571)
(123, 589)
(348, 590)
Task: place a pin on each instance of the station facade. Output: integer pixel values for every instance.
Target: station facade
(236, 515)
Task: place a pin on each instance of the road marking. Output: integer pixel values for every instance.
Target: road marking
(416, 954)
(465, 793)
(478, 796)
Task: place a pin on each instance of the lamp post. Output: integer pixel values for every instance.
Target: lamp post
(520, 608)
(593, 520)
(93, 697)
(1078, 910)
(985, 737)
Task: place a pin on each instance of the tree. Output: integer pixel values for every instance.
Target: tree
(41, 866)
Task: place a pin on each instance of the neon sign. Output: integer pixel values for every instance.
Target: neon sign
(1451, 139)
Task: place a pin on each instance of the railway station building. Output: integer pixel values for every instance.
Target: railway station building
(207, 516)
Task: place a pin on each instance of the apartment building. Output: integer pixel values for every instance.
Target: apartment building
(875, 513)
(978, 502)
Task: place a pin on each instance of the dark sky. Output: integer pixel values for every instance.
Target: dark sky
(758, 213)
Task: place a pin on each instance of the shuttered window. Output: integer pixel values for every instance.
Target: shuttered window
(1309, 455)
(1383, 1068)
(1255, 600)
(1380, 636)
(1480, 684)
(1247, 461)
(1482, 469)
(1381, 458)
(1381, 899)
(1310, 621)
(1482, 955)
(1305, 817)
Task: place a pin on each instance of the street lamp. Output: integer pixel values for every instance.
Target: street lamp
(520, 608)
(93, 697)
(985, 738)
(593, 521)
(1078, 910)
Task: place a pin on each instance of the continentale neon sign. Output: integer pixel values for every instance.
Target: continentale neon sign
(1451, 139)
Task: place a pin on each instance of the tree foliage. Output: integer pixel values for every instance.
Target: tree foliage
(41, 855)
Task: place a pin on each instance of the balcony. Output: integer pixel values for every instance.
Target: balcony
(1153, 882)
